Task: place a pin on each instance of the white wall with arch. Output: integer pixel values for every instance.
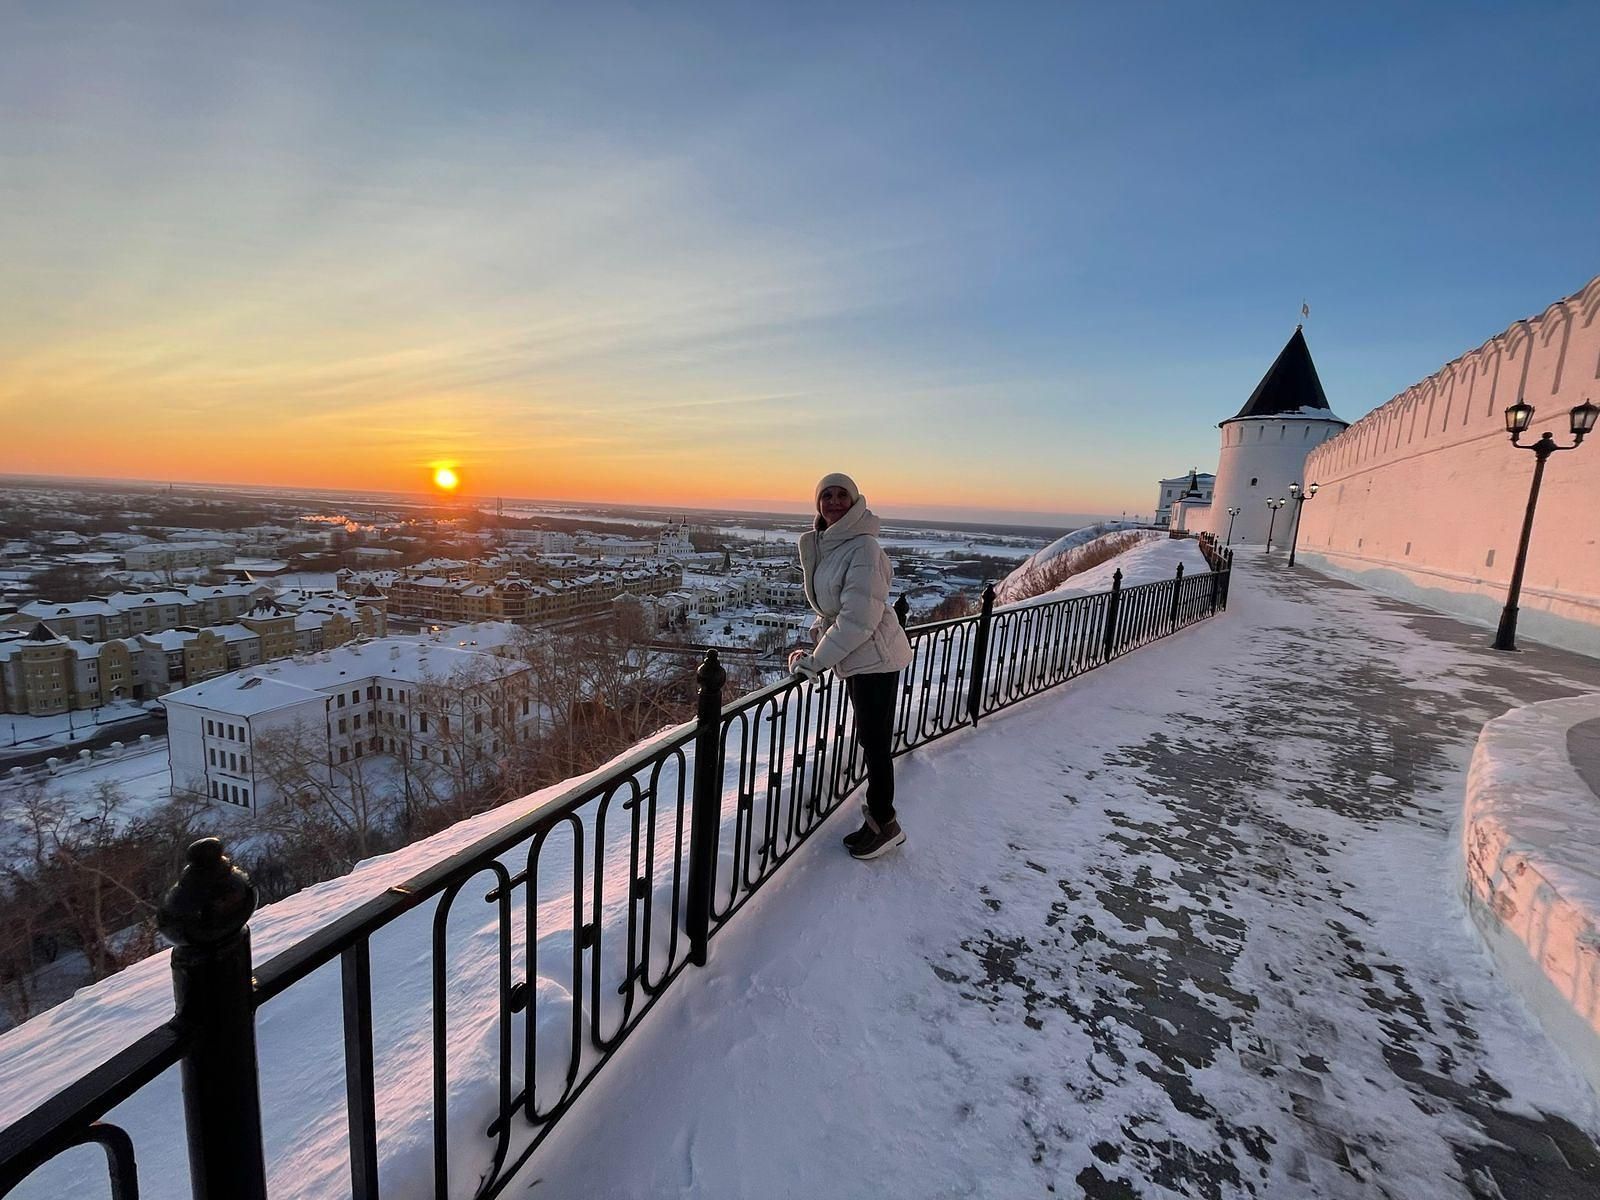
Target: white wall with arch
(1424, 497)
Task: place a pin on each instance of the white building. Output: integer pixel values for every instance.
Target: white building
(1264, 448)
(173, 556)
(1196, 484)
(416, 698)
(544, 541)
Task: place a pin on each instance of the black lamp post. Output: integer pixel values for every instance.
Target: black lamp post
(1274, 505)
(1232, 513)
(1300, 498)
(1518, 417)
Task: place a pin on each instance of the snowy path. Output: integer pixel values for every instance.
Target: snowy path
(1186, 927)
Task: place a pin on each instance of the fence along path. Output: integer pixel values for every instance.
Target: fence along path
(545, 943)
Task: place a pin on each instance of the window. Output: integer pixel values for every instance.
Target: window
(343, 725)
(402, 695)
(389, 693)
(477, 724)
(372, 691)
(422, 722)
(341, 699)
(355, 696)
(214, 794)
(245, 792)
(358, 749)
(355, 722)
(211, 728)
(212, 755)
(344, 754)
(244, 763)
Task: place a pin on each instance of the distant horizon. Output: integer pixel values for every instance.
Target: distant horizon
(735, 506)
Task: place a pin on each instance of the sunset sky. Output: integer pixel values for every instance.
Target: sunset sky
(984, 257)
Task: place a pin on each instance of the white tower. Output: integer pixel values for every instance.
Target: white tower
(1264, 447)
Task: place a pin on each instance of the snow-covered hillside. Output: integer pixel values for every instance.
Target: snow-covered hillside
(1152, 561)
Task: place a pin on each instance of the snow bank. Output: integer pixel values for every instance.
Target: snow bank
(1154, 561)
(1066, 542)
(1529, 831)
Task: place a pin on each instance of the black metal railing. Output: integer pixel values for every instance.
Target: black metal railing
(594, 902)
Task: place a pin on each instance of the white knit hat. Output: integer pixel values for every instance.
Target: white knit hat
(837, 479)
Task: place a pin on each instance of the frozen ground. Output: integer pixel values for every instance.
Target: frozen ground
(141, 773)
(23, 732)
(1187, 926)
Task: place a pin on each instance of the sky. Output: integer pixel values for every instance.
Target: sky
(993, 260)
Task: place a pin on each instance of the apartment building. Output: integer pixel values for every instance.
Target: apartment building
(521, 601)
(47, 669)
(175, 556)
(124, 614)
(43, 673)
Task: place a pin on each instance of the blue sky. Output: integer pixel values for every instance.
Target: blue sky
(1001, 257)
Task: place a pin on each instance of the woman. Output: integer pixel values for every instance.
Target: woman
(846, 576)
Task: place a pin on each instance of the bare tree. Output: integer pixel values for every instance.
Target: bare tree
(325, 816)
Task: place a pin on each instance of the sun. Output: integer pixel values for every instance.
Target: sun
(445, 479)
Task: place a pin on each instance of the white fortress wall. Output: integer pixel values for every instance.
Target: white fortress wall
(1424, 497)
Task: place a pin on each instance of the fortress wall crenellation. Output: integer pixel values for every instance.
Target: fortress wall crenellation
(1424, 497)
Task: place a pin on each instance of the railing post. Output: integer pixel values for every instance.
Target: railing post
(705, 815)
(980, 655)
(1108, 639)
(1227, 575)
(1177, 588)
(902, 610)
(1216, 585)
(204, 913)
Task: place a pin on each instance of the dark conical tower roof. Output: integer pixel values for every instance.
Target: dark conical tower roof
(1290, 384)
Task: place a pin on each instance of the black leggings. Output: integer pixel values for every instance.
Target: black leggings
(872, 697)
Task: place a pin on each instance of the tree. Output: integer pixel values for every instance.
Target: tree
(324, 817)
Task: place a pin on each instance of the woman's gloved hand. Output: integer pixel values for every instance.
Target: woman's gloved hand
(803, 665)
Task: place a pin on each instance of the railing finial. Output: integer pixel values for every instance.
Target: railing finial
(210, 902)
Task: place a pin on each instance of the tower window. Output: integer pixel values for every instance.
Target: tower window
(1252, 481)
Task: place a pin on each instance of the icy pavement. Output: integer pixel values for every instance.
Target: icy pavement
(1189, 926)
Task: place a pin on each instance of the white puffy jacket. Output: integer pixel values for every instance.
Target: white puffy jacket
(847, 578)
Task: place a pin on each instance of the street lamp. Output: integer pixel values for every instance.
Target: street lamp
(1300, 498)
(1232, 513)
(1518, 417)
(1274, 505)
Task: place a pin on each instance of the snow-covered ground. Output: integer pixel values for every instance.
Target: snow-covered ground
(141, 773)
(20, 732)
(1185, 927)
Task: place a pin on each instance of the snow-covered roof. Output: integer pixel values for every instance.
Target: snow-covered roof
(46, 609)
(126, 601)
(169, 639)
(232, 632)
(245, 694)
